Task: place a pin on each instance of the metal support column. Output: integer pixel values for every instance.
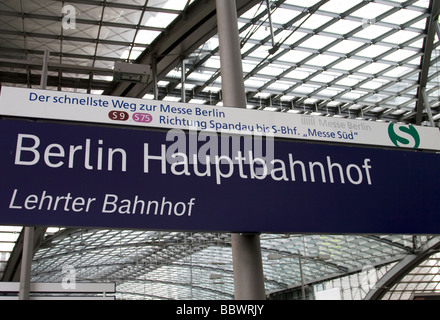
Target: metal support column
(28, 240)
(183, 79)
(230, 55)
(246, 250)
(155, 78)
(26, 263)
(43, 81)
(303, 291)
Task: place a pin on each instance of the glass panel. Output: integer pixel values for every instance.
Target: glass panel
(339, 6)
(343, 26)
(402, 16)
(346, 46)
(157, 19)
(372, 31)
(371, 11)
(317, 42)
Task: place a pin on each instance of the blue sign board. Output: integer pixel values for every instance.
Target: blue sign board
(56, 174)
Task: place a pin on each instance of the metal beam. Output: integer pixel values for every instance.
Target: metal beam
(428, 107)
(426, 59)
(246, 250)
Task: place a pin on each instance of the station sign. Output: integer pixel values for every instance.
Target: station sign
(45, 104)
(76, 175)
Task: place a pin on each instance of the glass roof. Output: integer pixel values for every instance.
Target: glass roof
(423, 280)
(350, 58)
(8, 237)
(356, 59)
(175, 265)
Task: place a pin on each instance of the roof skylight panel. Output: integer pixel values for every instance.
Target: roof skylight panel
(11, 23)
(414, 62)
(325, 77)
(45, 7)
(373, 51)
(401, 36)
(157, 19)
(249, 65)
(343, 26)
(314, 21)
(260, 52)
(214, 63)
(253, 12)
(255, 83)
(282, 15)
(351, 96)
(339, 6)
(116, 34)
(422, 4)
(402, 88)
(260, 34)
(374, 68)
(417, 44)
(371, 11)
(41, 26)
(12, 5)
(345, 46)
(271, 70)
(298, 74)
(322, 60)
(373, 84)
(372, 31)
(146, 36)
(288, 37)
(402, 16)
(34, 43)
(295, 56)
(200, 77)
(317, 42)
(123, 16)
(82, 30)
(302, 3)
(399, 101)
(279, 86)
(348, 64)
(91, 12)
(330, 92)
(114, 51)
(168, 4)
(305, 89)
(399, 55)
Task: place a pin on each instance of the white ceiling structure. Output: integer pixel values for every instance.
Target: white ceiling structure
(370, 60)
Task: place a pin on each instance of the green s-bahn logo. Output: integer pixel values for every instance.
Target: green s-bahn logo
(404, 135)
